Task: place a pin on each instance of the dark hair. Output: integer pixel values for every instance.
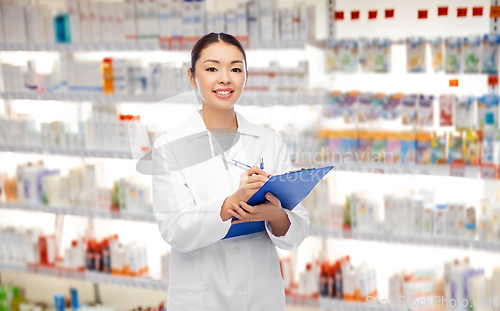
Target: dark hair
(213, 37)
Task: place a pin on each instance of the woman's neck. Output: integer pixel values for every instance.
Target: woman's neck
(219, 121)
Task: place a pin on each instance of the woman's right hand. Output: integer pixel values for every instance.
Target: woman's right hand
(250, 183)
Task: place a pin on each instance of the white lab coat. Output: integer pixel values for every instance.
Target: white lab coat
(207, 273)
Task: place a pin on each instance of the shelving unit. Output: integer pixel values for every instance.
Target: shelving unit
(151, 45)
(93, 277)
(313, 231)
(99, 98)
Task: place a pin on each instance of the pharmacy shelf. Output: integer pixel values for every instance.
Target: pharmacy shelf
(67, 152)
(314, 231)
(302, 301)
(89, 276)
(137, 46)
(84, 212)
(330, 304)
(411, 240)
(398, 169)
(260, 99)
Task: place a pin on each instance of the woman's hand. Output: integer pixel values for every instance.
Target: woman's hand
(250, 183)
(270, 211)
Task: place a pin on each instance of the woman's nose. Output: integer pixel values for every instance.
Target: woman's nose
(224, 77)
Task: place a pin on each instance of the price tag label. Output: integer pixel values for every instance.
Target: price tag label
(457, 170)
(488, 171)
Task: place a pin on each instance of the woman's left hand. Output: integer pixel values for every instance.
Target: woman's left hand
(268, 211)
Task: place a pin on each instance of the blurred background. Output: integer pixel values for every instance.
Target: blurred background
(400, 96)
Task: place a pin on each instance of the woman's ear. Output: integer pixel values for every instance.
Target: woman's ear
(191, 78)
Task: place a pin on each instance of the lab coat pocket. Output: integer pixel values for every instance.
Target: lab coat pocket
(186, 297)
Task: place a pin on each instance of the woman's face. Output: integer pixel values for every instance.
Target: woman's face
(219, 75)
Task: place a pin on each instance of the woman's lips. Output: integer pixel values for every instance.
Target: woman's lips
(223, 95)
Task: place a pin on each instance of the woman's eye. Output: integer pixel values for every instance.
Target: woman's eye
(238, 69)
(210, 69)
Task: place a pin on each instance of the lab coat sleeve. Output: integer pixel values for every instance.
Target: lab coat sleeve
(299, 218)
(183, 224)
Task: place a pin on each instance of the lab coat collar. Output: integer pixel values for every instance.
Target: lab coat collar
(196, 128)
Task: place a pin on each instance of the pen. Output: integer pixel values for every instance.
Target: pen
(244, 166)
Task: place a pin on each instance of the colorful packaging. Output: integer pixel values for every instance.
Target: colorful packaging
(335, 146)
(464, 117)
(471, 46)
(415, 54)
(452, 54)
(436, 45)
(382, 55)
(377, 108)
(348, 55)
(439, 222)
(485, 104)
(455, 149)
(349, 104)
(425, 114)
(472, 148)
(470, 223)
(489, 57)
(409, 109)
(391, 105)
(408, 148)
(333, 108)
(427, 227)
(379, 147)
(438, 149)
(393, 145)
(365, 107)
(446, 105)
(423, 148)
(364, 146)
(332, 56)
(366, 55)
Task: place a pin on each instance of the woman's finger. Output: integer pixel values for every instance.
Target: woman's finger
(240, 211)
(233, 213)
(248, 208)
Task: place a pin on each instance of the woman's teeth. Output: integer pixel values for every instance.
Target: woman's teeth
(223, 92)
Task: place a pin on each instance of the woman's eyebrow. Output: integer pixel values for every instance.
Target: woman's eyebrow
(216, 61)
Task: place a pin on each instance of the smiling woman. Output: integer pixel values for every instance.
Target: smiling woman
(197, 196)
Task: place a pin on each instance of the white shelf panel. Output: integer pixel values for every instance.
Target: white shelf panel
(411, 240)
(396, 169)
(137, 46)
(330, 304)
(66, 152)
(84, 212)
(89, 276)
(264, 99)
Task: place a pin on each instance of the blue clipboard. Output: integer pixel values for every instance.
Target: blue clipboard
(291, 188)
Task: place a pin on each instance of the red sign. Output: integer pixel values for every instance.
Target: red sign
(372, 14)
(422, 14)
(389, 13)
(492, 80)
(461, 12)
(495, 11)
(453, 82)
(339, 15)
(477, 11)
(354, 14)
(443, 11)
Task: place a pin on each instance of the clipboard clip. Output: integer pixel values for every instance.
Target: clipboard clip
(302, 169)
